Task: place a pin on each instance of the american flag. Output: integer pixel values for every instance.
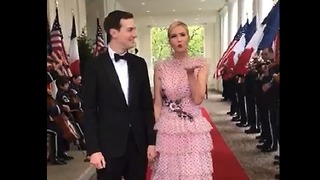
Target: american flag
(221, 63)
(57, 42)
(99, 44)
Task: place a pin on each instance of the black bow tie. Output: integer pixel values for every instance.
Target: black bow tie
(117, 57)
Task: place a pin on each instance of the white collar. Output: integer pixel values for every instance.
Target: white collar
(112, 52)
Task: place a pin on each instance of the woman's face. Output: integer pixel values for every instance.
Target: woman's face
(179, 39)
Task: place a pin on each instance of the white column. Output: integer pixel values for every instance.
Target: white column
(233, 19)
(225, 34)
(264, 7)
(223, 14)
(249, 9)
(245, 11)
(81, 4)
(241, 12)
(95, 9)
(255, 7)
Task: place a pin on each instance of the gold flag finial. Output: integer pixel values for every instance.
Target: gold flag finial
(97, 14)
(57, 3)
(72, 11)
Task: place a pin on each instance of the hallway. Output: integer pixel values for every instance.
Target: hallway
(257, 165)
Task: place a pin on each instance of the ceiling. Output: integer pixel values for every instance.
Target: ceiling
(163, 12)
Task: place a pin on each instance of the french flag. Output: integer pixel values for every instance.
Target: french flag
(239, 48)
(74, 59)
(262, 38)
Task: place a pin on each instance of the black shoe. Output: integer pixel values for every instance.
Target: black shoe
(87, 159)
(234, 114)
(230, 113)
(276, 163)
(252, 131)
(262, 140)
(66, 157)
(235, 119)
(261, 146)
(276, 157)
(269, 149)
(259, 137)
(242, 124)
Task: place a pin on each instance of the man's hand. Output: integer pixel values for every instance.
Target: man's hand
(59, 58)
(266, 87)
(97, 160)
(151, 153)
(66, 108)
(276, 77)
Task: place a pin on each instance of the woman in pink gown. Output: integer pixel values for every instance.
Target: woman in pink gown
(184, 142)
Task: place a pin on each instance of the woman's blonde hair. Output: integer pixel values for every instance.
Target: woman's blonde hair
(176, 24)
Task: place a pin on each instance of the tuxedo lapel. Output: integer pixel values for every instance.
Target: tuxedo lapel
(132, 77)
(109, 67)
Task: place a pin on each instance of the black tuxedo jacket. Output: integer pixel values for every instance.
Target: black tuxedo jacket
(107, 117)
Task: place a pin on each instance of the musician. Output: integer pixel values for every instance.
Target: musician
(250, 84)
(76, 86)
(269, 102)
(241, 94)
(58, 147)
(277, 157)
(229, 77)
(235, 106)
(225, 74)
(63, 96)
(53, 69)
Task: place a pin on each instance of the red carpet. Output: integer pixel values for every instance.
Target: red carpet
(226, 166)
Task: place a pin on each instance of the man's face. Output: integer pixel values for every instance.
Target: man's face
(77, 81)
(126, 35)
(266, 55)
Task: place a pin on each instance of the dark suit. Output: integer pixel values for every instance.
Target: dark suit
(121, 132)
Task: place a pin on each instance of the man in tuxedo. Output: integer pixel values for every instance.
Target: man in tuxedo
(118, 106)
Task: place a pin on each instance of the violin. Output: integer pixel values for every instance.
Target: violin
(69, 132)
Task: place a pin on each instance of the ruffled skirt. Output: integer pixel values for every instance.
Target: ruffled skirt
(184, 149)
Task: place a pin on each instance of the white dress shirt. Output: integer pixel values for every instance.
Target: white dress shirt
(122, 70)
